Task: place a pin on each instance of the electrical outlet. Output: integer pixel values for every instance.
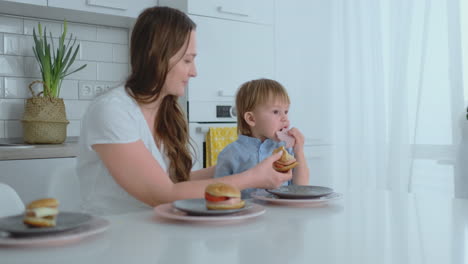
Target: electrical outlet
(86, 91)
(99, 89)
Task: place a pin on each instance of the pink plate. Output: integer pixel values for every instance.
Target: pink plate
(168, 211)
(264, 196)
(94, 226)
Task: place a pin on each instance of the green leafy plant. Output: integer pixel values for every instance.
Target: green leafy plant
(54, 63)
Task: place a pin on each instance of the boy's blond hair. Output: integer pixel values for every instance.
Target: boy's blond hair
(254, 93)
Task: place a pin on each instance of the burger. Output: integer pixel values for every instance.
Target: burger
(41, 213)
(221, 196)
(286, 162)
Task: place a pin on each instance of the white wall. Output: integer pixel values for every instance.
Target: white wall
(104, 49)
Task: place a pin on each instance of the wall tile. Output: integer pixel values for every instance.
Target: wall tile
(73, 128)
(11, 25)
(88, 73)
(17, 45)
(69, 89)
(82, 32)
(13, 129)
(11, 65)
(31, 68)
(52, 27)
(112, 72)
(112, 35)
(11, 109)
(1, 43)
(95, 51)
(2, 87)
(76, 108)
(17, 88)
(120, 53)
(2, 129)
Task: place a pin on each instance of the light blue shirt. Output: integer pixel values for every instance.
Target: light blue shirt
(244, 153)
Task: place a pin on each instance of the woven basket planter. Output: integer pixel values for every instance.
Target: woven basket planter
(44, 121)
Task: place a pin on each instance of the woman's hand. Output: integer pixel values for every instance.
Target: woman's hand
(267, 177)
(299, 137)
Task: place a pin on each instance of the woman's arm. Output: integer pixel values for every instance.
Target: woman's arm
(135, 170)
(205, 173)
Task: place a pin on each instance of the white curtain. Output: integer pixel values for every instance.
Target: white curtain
(397, 93)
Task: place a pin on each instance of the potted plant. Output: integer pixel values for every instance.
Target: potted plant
(44, 119)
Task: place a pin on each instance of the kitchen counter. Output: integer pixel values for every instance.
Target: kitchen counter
(20, 151)
(362, 227)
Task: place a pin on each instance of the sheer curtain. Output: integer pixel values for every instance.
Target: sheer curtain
(397, 93)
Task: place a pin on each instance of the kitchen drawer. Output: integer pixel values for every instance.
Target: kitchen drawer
(254, 11)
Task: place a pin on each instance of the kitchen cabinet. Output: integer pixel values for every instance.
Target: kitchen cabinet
(39, 178)
(235, 42)
(113, 7)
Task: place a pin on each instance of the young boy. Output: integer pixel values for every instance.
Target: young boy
(262, 111)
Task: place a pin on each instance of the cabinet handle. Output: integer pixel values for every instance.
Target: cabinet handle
(108, 4)
(222, 9)
(226, 94)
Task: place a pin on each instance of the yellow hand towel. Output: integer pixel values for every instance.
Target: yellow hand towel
(217, 139)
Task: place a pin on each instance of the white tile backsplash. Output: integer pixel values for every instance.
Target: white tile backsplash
(112, 71)
(83, 32)
(13, 128)
(104, 49)
(11, 109)
(2, 88)
(95, 51)
(112, 35)
(11, 65)
(51, 27)
(120, 53)
(1, 43)
(11, 24)
(2, 129)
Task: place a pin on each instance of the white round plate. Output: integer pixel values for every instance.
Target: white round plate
(94, 226)
(264, 196)
(170, 212)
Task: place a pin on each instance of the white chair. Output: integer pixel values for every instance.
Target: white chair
(10, 202)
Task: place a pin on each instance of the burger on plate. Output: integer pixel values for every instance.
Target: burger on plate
(41, 213)
(222, 196)
(286, 162)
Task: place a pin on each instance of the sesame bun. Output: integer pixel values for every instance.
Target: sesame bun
(47, 202)
(286, 162)
(222, 189)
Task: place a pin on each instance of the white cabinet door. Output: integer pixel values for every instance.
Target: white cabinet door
(112, 7)
(39, 178)
(254, 11)
(229, 54)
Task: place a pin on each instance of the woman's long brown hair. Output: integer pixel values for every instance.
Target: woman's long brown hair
(159, 33)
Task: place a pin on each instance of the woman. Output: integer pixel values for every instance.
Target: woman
(134, 144)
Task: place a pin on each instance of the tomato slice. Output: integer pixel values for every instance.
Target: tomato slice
(212, 198)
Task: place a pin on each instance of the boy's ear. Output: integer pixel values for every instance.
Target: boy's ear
(249, 118)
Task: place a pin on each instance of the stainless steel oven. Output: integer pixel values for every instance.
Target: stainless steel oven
(202, 116)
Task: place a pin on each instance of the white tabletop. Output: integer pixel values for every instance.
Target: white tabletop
(371, 227)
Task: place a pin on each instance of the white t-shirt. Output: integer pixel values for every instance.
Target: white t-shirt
(112, 118)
